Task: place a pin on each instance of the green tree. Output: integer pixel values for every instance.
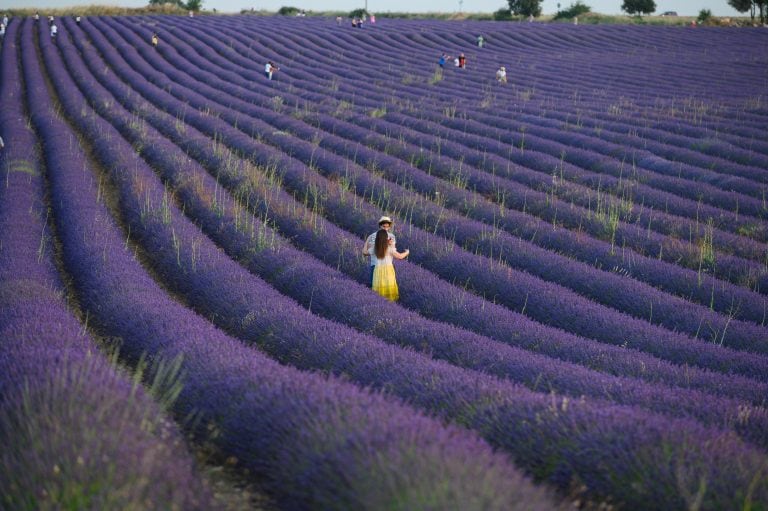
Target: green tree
(744, 6)
(194, 5)
(705, 15)
(638, 7)
(753, 6)
(358, 13)
(525, 7)
(574, 10)
(503, 14)
(288, 11)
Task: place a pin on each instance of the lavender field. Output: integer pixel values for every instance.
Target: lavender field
(583, 317)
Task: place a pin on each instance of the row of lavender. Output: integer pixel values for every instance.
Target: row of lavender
(325, 291)
(716, 236)
(318, 442)
(312, 153)
(458, 82)
(752, 307)
(739, 269)
(76, 431)
(501, 49)
(194, 268)
(757, 252)
(339, 249)
(448, 99)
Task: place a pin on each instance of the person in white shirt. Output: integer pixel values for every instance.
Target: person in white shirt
(269, 69)
(54, 30)
(368, 248)
(501, 75)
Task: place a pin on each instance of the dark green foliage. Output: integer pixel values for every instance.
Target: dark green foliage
(525, 7)
(638, 7)
(502, 15)
(740, 5)
(753, 6)
(704, 16)
(288, 11)
(358, 13)
(190, 5)
(572, 11)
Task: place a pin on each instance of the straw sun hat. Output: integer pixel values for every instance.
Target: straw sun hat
(385, 220)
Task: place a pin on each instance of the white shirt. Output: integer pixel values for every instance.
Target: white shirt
(371, 241)
(268, 68)
(388, 258)
(54, 29)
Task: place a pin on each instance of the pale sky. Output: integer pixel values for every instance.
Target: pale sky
(682, 7)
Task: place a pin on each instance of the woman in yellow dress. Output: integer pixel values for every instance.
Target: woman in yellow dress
(384, 281)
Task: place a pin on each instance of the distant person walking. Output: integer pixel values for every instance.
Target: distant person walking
(2, 29)
(462, 61)
(384, 280)
(385, 223)
(36, 17)
(501, 75)
(480, 41)
(54, 30)
(155, 40)
(5, 20)
(269, 69)
(442, 60)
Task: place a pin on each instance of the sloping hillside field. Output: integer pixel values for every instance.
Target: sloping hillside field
(583, 316)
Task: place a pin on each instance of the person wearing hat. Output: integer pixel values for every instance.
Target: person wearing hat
(501, 75)
(370, 243)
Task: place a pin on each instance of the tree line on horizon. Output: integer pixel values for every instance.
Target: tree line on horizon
(190, 5)
(527, 8)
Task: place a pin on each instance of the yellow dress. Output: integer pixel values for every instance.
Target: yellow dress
(384, 281)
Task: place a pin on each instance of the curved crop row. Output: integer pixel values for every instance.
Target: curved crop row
(596, 284)
(725, 244)
(315, 285)
(336, 248)
(320, 443)
(709, 293)
(174, 247)
(75, 431)
(532, 140)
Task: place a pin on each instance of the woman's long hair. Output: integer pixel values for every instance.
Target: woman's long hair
(382, 243)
